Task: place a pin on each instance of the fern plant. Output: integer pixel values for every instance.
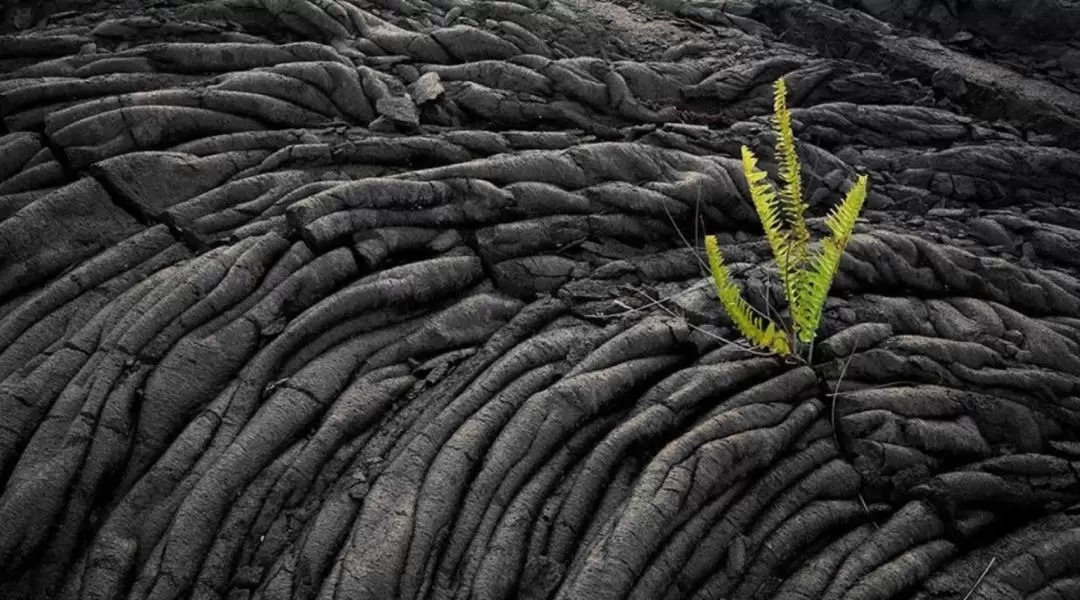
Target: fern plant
(805, 274)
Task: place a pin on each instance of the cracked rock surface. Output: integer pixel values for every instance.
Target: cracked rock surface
(403, 299)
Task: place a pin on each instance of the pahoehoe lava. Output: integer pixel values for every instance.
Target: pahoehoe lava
(403, 299)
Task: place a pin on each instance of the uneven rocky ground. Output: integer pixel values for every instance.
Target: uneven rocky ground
(378, 299)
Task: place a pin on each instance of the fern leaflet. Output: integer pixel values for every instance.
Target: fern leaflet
(749, 324)
(841, 222)
(792, 261)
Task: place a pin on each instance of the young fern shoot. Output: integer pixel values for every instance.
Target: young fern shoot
(806, 275)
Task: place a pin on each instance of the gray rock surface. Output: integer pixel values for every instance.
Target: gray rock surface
(313, 299)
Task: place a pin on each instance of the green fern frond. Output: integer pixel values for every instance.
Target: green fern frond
(788, 159)
(764, 197)
(806, 276)
(793, 259)
(749, 324)
(841, 222)
(841, 219)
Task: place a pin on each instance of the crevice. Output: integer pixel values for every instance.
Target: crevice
(469, 239)
(117, 197)
(59, 155)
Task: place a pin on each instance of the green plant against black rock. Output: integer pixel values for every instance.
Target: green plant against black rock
(805, 273)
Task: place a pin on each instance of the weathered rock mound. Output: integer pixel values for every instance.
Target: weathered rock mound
(312, 299)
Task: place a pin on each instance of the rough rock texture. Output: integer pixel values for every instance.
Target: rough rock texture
(379, 299)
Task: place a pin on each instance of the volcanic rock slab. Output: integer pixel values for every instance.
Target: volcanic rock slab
(404, 299)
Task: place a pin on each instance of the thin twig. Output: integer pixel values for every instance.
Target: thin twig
(832, 419)
(836, 392)
(697, 211)
(989, 565)
(658, 301)
(682, 237)
(866, 508)
(879, 386)
(779, 315)
(701, 262)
